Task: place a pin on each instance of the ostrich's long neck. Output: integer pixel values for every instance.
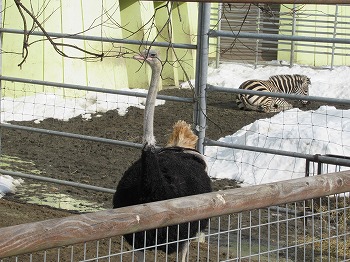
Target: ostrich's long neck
(148, 135)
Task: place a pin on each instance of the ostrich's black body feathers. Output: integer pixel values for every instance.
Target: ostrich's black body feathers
(159, 175)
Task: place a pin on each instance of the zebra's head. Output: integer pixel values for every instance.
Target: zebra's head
(304, 83)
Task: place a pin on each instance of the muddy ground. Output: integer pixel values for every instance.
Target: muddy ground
(102, 164)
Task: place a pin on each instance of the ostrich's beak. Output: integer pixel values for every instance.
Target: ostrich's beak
(139, 57)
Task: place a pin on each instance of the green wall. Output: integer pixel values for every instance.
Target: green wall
(320, 24)
(130, 19)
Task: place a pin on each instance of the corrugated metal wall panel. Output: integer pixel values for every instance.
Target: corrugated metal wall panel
(300, 20)
(253, 19)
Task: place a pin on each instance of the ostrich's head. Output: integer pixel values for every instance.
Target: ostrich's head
(151, 57)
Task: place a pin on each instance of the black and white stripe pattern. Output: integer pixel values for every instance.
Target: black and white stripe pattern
(290, 84)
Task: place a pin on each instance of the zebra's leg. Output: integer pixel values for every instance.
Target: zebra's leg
(246, 105)
(285, 105)
(278, 105)
(263, 108)
(267, 106)
(240, 102)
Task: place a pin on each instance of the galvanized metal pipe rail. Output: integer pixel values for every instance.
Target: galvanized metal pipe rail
(57, 181)
(72, 135)
(43, 235)
(100, 39)
(236, 34)
(212, 88)
(201, 73)
(94, 89)
(315, 158)
(68, 135)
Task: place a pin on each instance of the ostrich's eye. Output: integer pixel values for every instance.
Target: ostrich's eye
(153, 55)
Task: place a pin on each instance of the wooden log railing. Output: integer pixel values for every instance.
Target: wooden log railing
(32, 237)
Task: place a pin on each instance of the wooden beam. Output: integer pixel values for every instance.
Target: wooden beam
(43, 235)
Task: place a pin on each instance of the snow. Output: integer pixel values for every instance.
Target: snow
(48, 105)
(322, 131)
(326, 83)
(8, 184)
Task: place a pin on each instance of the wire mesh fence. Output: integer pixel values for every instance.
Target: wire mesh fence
(309, 230)
(314, 229)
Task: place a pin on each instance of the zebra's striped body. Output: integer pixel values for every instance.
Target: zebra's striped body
(290, 84)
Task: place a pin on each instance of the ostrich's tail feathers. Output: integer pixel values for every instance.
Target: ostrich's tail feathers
(182, 136)
(8, 185)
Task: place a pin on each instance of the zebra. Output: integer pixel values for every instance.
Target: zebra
(290, 84)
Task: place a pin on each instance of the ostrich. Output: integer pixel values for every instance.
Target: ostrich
(176, 170)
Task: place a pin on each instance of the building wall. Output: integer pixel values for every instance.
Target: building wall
(239, 17)
(128, 19)
(315, 21)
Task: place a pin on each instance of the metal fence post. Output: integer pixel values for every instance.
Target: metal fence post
(258, 21)
(334, 35)
(1, 82)
(220, 8)
(292, 44)
(201, 73)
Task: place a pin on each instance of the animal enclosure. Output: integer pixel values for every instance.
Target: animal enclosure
(95, 141)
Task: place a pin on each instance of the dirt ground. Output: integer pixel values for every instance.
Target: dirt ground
(102, 164)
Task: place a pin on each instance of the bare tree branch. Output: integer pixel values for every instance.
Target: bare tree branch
(147, 30)
(23, 10)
